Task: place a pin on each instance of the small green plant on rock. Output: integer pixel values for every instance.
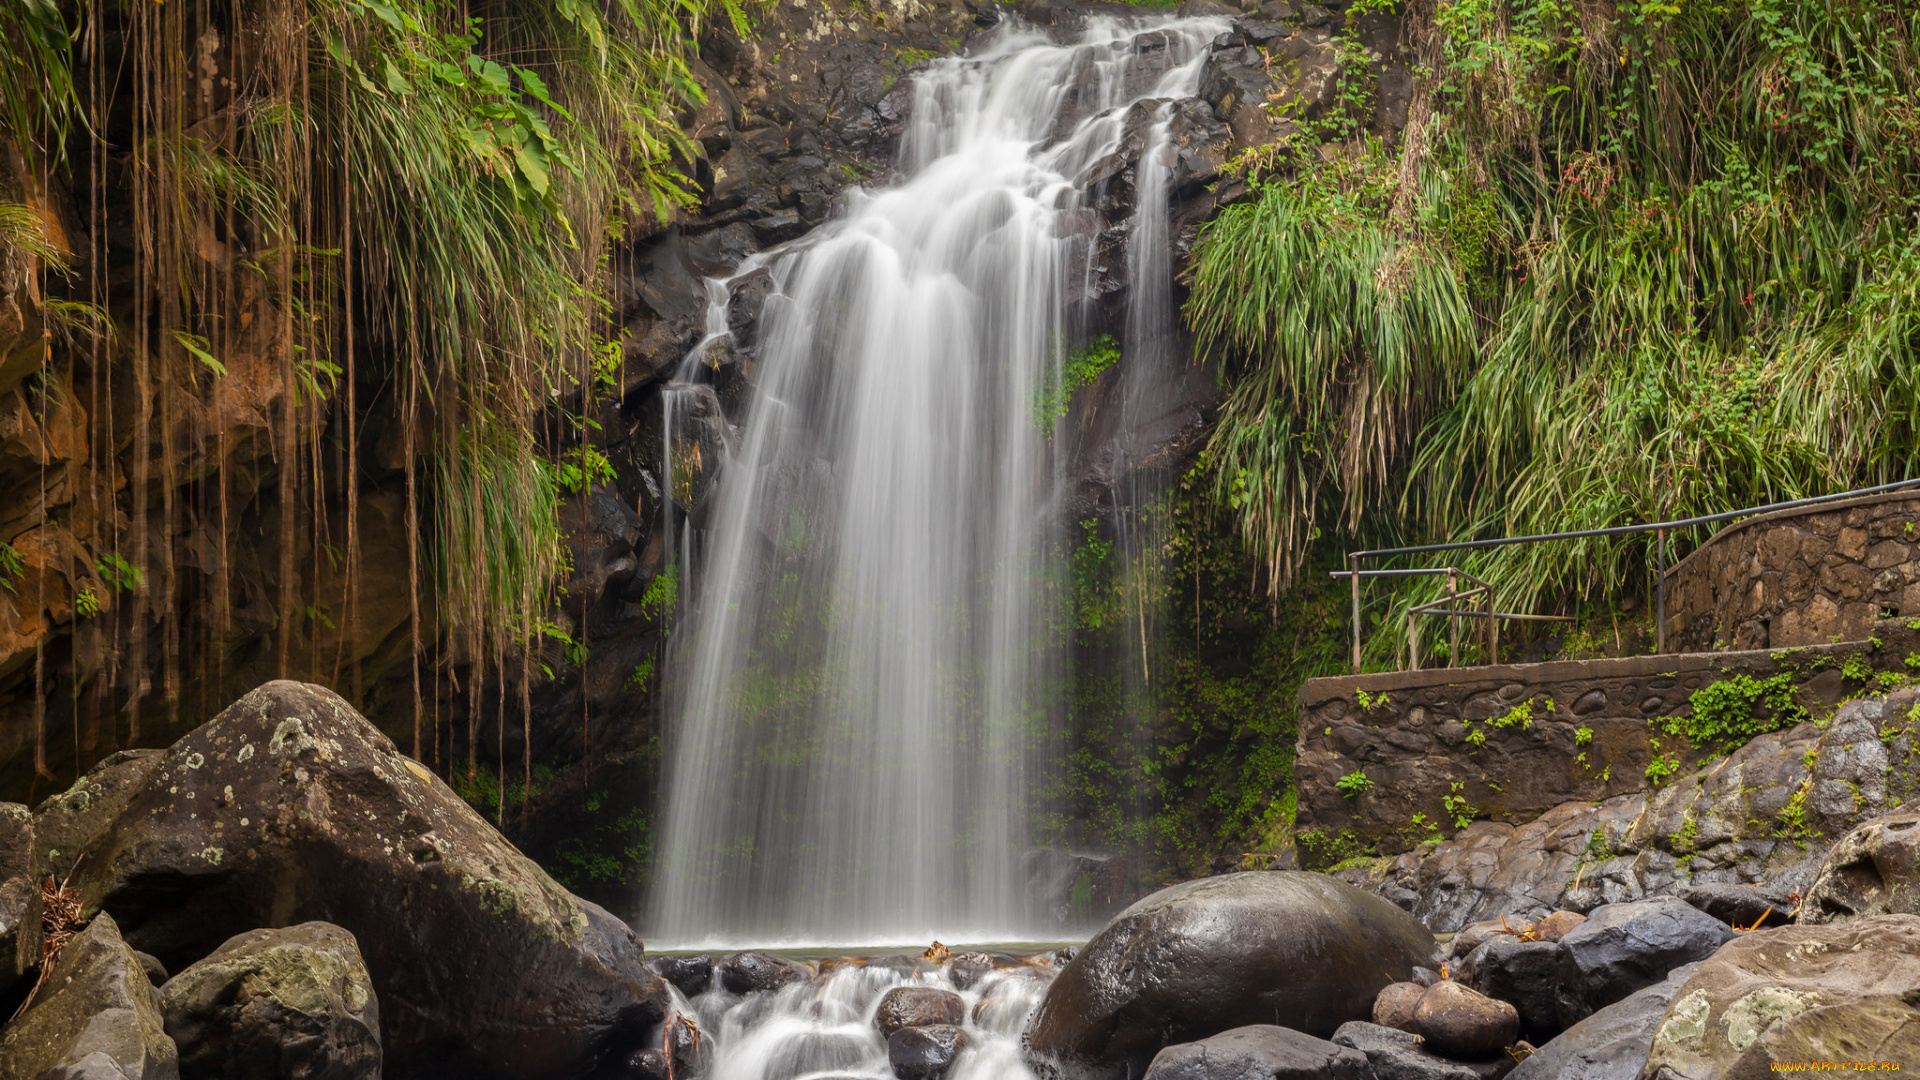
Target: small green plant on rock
(1727, 714)
(1661, 767)
(1583, 736)
(1457, 805)
(85, 604)
(1354, 783)
(1370, 702)
(1857, 669)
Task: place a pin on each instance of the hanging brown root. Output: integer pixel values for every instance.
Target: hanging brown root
(60, 920)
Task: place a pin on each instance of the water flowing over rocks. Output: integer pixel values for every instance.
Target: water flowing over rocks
(97, 1017)
(290, 807)
(1199, 958)
(294, 1003)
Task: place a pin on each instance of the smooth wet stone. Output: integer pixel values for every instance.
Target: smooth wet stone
(691, 975)
(1398, 1055)
(752, 972)
(1526, 975)
(1459, 1022)
(1259, 1052)
(1558, 925)
(1394, 1007)
(925, 1053)
(917, 1006)
(1298, 949)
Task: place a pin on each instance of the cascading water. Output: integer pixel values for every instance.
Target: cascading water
(861, 701)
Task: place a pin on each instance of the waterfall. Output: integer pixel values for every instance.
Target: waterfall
(862, 699)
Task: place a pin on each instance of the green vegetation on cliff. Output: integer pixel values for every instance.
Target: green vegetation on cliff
(1629, 263)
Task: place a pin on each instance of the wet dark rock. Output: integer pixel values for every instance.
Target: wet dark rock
(1458, 1022)
(16, 882)
(1525, 975)
(925, 1053)
(1622, 948)
(1398, 1055)
(1612, 1043)
(1873, 870)
(647, 1063)
(1840, 992)
(97, 1017)
(917, 1006)
(1425, 976)
(752, 972)
(290, 807)
(967, 969)
(1395, 1005)
(1739, 905)
(690, 974)
(156, 971)
(1217, 953)
(295, 1003)
(1259, 1052)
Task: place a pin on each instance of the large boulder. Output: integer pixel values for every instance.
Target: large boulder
(925, 1053)
(290, 807)
(294, 1003)
(1395, 1006)
(1282, 947)
(1612, 1043)
(1873, 870)
(96, 1017)
(1622, 948)
(1799, 993)
(751, 972)
(1398, 1055)
(1259, 1052)
(1745, 906)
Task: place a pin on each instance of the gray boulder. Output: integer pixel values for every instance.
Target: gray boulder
(1524, 974)
(97, 1018)
(751, 972)
(1873, 870)
(1395, 1006)
(691, 974)
(290, 807)
(1296, 949)
(1799, 993)
(294, 1003)
(1612, 1043)
(1739, 905)
(16, 883)
(925, 1053)
(1259, 1052)
(1622, 948)
(1398, 1055)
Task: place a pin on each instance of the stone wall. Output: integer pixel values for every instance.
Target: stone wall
(1510, 742)
(1810, 576)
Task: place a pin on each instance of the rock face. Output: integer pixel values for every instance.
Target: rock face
(1745, 906)
(295, 1003)
(1398, 1055)
(1458, 1022)
(691, 975)
(1259, 1052)
(1873, 870)
(96, 1017)
(1622, 948)
(917, 1006)
(1764, 814)
(1612, 1043)
(1799, 993)
(1224, 952)
(290, 807)
(16, 882)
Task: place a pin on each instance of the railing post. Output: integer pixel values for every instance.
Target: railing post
(1353, 568)
(1453, 621)
(1493, 628)
(1660, 591)
(1413, 640)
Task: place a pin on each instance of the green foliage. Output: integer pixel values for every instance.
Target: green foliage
(1076, 371)
(1726, 714)
(1457, 806)
(581, 468)
(1644, 262)
(12, 566)
(1661, 767)
(86, 604)
(1369, 702)
(662, 597)
(1582, 736)
(641, 677)
(36, 78)
(1857, 668)
(1354, 783)
(498, 542)
(122, 575)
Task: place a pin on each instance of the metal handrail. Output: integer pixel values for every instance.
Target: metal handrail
(1660, 529)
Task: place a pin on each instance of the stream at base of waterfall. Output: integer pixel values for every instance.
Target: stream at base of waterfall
(863, 696)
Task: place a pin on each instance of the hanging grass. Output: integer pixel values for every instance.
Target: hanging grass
(1686, 237)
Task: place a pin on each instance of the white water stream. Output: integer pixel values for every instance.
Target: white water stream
(861, 706)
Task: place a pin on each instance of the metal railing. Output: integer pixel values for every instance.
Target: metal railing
(1486, 592)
